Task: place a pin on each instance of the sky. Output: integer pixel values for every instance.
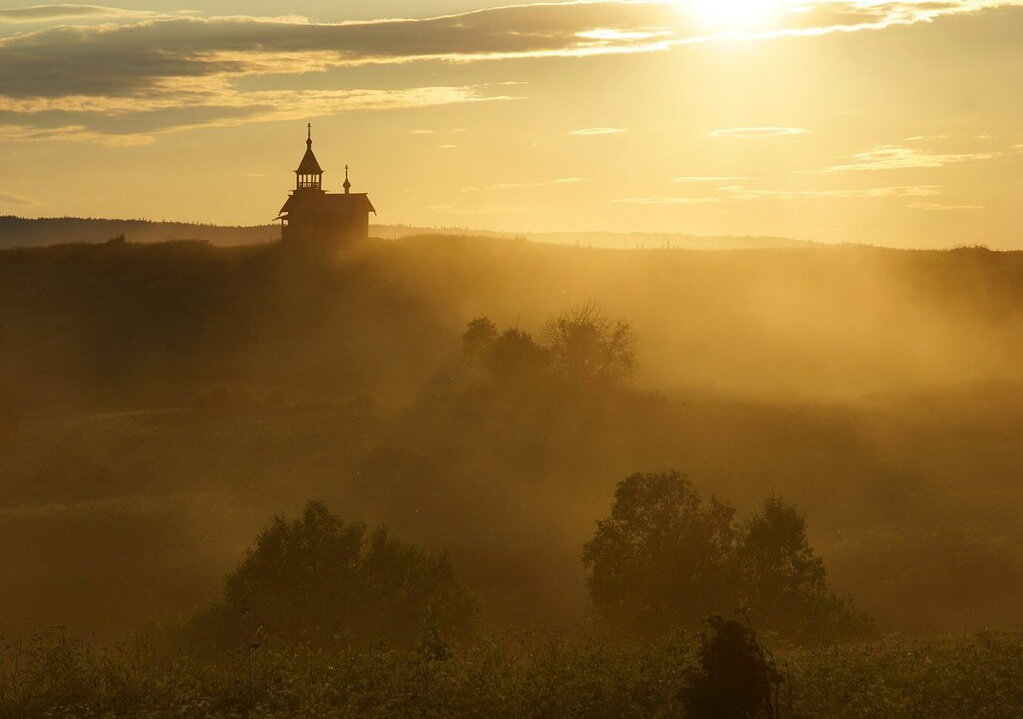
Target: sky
(896, 123)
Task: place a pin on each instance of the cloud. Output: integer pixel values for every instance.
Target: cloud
(668, 200)
(941, 207)
(588, 131)
(47, 13)
(741, 193)
(745, 132)
(9, 199)
(191, 65)
(738, 193)
(895, 157)
(714, 180)
(478, 210)
(559, 182)
(218, 107)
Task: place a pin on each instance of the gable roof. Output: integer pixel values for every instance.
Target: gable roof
(323, 202)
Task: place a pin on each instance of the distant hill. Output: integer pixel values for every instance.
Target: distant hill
(665, 240)
(27, 232)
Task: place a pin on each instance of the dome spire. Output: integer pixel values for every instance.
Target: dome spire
(348, 183)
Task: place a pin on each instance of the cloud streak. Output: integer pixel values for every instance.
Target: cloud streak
(591, 131)
(755, 132)
(505, 186)
(895, 157)
(49, 13)
(9, 199)
(137, 123)
(738, 193)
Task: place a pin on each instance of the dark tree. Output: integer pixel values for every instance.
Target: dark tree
(664, 557)
(510, 356)
(477, 341)
(317, 577)
(736, 679)
(586, 345)
(515, 356)
(784, 583)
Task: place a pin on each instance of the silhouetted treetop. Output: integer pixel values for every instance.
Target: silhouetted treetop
(663, 557)
(586, 344)
(579, 345)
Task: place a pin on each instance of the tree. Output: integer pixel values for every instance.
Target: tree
(663, 558)
(736, 680)
(515, 356)
(318, 577)
(508, 356)
(784, 583)
(586, 345)
(477, 341)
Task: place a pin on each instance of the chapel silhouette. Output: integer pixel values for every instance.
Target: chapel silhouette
(319, 221)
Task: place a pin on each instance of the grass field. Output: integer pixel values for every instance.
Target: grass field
(510, 676)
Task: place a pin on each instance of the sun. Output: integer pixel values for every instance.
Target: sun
(732, 15)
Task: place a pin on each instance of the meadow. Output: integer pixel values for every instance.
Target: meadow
(511, 675)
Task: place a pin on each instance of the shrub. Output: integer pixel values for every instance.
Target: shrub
(664, 559)
(321, 579)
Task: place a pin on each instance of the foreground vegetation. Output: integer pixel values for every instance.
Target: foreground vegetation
(510, 676)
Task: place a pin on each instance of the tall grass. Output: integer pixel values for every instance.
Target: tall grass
(508, 676)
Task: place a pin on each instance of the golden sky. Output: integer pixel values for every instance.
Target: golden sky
(896, 123)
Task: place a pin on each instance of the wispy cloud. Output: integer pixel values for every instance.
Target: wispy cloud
(747, 132)
(227, 107)
(896, 157)
(47, 13)
(503, 186)
(7, 198)
(741, 193)
(738, 193)
(668, 200)
(708, 180)
(587, 131)
(479, 210)
(942, 207)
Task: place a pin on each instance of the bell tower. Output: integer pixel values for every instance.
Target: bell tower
(309, 176)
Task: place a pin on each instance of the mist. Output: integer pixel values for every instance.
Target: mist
(163, 401)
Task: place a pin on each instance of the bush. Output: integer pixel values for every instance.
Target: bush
(323, 580)
(666, 559)
(736, 678)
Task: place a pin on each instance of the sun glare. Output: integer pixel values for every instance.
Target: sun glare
(732, 15)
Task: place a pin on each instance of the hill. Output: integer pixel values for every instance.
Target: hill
(26, 232)
(162, 400)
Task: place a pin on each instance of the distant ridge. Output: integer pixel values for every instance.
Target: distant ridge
(29, 232)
